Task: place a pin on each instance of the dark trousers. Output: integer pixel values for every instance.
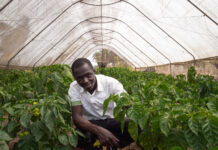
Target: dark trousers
(113, 126)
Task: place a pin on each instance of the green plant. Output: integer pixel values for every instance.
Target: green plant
(35, 107)
(170, 113)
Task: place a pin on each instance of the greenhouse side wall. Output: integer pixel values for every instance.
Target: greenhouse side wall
(203, 66)
(15, 67)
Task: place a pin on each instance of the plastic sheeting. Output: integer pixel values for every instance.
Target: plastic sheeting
(142, 32)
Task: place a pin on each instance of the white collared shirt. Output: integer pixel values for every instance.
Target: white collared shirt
(93, 103)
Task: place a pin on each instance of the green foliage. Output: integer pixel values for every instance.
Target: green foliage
(172, 113)
(165, 124)
(166, 113)
(34, 106)
(210, 130)
(3, 145)
(4, 136)
(37, 129)
(73, 139)
(196, 142)
(133, 130)
(193, 125)
(191, 74)
(63, 139)
(25, 119)
(176, 148)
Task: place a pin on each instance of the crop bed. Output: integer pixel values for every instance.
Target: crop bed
(166, 113)
(171, 113)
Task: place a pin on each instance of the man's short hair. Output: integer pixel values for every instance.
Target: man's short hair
(79, 62)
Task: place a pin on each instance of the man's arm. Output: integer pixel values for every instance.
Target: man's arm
(105, 137)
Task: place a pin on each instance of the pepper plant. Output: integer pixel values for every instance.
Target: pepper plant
(35, 109)
(166, 112)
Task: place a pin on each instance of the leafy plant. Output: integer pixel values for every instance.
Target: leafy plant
(35, 108)
(166, 113)
(170, 113)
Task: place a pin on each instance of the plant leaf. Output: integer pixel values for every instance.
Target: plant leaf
(196, 142)
(62, 147)
(10, 110)
(27, 143)
(176, 148)
(193, 125)
(3, 145)
(50, 119)
(63, 139)
(11, 125)
(133, 130)
(210, 130)
(107, 101)
(25, 119)
(73, 140)
(4, 136)
(214, 148)
(37, 130)
(165, 125)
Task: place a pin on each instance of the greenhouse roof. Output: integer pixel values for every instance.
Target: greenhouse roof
(142, 32)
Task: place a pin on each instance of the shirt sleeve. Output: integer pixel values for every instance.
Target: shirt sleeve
(74, 96)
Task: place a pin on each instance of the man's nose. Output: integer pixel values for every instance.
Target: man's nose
(85, 80)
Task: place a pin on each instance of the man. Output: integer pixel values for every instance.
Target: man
(87, 94)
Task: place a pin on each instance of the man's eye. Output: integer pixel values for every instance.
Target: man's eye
(88, 75)
(79, 79)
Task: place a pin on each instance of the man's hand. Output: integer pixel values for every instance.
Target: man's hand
(106, 138)
(12, 142)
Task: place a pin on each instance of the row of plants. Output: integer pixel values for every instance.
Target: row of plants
(35, 111)
(168, 113)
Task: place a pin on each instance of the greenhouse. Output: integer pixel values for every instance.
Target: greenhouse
(163, 54)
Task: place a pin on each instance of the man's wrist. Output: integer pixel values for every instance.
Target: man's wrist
(95, 129)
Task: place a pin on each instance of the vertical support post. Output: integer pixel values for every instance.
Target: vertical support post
(170, 68)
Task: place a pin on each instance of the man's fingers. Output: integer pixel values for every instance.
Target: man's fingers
(107, 143)
(114, 141)
(110, 142)
(115, 144)
(117, 140)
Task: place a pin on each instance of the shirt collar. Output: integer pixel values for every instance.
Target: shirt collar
(99, 85)
(81, 90)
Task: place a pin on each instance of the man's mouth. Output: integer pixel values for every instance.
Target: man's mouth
(88, 86)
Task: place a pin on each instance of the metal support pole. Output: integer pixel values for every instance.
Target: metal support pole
(6, 5)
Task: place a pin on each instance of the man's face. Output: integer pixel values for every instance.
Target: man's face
(85, 77)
